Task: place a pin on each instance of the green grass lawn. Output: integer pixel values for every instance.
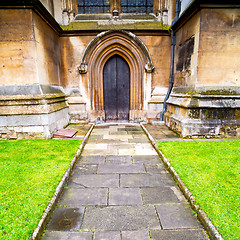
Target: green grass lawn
(211, 171)
(30, 171)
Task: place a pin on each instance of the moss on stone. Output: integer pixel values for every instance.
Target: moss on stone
(237, 115)
(194, 113)
(219, 92)
(111, 25)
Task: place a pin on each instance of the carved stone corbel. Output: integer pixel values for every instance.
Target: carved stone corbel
(83, 68)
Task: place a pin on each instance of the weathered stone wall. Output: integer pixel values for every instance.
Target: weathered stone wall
(205, 99)
(186, 53)
(30, 49)
(218, 61)
(17, 47)
(48, 59)
(29, 67)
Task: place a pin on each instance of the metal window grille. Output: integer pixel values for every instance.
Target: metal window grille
(93, 6)
(137, 6)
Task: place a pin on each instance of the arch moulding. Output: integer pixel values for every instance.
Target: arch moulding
(136, 54)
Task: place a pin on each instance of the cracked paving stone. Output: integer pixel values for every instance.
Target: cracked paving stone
(124, 196)
(189, 234)
(173, 216)
(85, 169)
(117, 218)
(73, 197)
(121, 168)
(157, 195)
(57, 235)
(96, 180)
(66, 219)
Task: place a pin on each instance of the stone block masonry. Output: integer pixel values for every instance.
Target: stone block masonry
(31, 111)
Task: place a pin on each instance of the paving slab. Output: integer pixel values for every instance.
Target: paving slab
(135, 235)
(96, 146)
(121, 146)
(64, 133)
(118, 132)
(135, 129)
(97, 152)
(125, 196)
(85, 169)
(111, 235)
(126, 152)
(138, 140)
(57, 235)
(146, 159)
(145, 152)
(91, 160)
(95, 137)
(113, 141)
(174, 216)
(121, 168)
(189, 234)
(144, 180)
(119, 159)
(155, 168)
(66, 219)
(137, 133)
(96, 180)
(158, 195)
(117, 137)
(120, 218)
(73, 197)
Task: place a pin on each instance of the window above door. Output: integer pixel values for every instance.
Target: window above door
(108, 6)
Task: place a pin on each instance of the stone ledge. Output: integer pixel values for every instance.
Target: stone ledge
(201, 101)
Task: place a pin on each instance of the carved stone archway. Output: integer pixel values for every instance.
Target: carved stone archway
(136, 54)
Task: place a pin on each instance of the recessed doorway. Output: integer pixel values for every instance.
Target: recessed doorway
(116, 87)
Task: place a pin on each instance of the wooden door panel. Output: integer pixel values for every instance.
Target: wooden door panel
(109, 88)
(116, 86)
(123, 89)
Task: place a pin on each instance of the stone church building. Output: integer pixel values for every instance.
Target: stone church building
(119, 60)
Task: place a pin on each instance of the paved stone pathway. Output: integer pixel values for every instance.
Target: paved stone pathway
(120, 190)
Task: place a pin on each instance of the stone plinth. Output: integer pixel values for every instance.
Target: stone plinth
(28, 111)
(204, 114)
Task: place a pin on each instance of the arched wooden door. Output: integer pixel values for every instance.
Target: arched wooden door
(116, 87)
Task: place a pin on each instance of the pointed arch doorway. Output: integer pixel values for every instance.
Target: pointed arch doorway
(116, 88)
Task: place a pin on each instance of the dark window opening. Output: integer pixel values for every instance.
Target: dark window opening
(93, 6)
(137, 6)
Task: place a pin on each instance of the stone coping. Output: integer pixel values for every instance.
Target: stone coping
(202, 216)
(50, 207)
(31, 96)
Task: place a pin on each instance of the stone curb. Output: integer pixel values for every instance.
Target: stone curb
(202, 216)
(58, 191)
